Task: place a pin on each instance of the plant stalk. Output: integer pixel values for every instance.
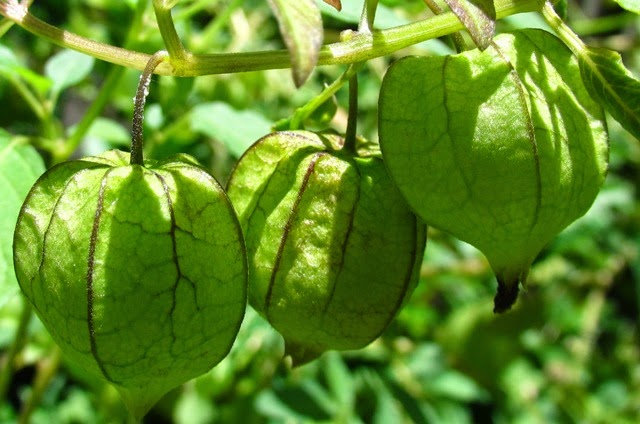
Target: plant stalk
(354, 49)
(138, 107)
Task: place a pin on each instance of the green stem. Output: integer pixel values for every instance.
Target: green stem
(368, 16)
(221, 20)
(138, 108)
(19, 339)
(34, 103)
(352, 119)
(194, 8)
(564, 32)
(305, 111)
(456, 38)
(46, 370)
(355, 49)
(172, 42)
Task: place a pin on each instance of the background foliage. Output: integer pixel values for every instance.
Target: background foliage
(568, 352)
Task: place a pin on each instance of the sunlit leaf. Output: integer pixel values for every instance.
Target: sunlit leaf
(612, 85)
(301, 28)
(67, 68)
(236, 129)
(630, 5)
(20, 166)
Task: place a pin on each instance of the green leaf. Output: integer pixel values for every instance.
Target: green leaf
(612, 85)
(301, 28)
(20, 166)
(66, 69)
(10, 66)
(630, 5)
(339, 380)
(478, 17)
(236, 129)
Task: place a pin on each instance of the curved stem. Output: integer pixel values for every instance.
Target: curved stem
(359, 48)
(167, 28)
(303, 112)
(138, 108)
(564, 32)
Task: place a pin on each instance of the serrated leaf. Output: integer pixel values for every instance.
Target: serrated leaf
(66, 69)
(478, 17)
(236, 129)
(612, 85)
(20, 166)
(300, 24)
(630, 5)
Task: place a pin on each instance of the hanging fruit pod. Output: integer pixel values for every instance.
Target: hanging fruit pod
(333, 249)
(501, 148)
(138, 272)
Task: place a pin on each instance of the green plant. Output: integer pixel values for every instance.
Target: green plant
(181, 119)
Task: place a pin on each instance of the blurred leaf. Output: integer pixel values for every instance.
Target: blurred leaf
(236, 129)
(456, 386)
(290, 404)
(20, 166)
(66, 69)
(105, 134)
(630, 5)
(301, 28)
(193, 409)
(387, 408)
(480, 343)
(339, 380)
(10, 67)
(478, 17)
(611, 84)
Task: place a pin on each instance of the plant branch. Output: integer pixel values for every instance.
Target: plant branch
(172, 42)
(303, 112)
(359, 48)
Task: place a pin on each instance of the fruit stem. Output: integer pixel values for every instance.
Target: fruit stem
(352, 119)
(456, 37)
(365, 27)
(138, 106)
